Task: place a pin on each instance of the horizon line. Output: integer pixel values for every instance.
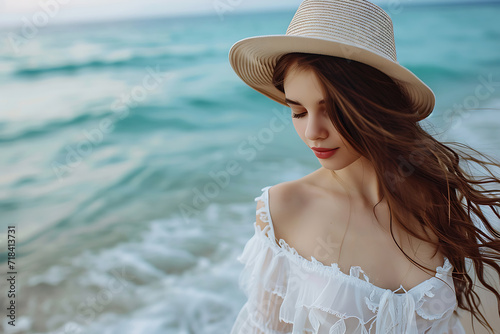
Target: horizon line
(210, 14)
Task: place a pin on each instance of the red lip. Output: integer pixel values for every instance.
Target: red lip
(321, 149)
(324, 153)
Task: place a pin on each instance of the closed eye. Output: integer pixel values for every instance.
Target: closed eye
(298, 115)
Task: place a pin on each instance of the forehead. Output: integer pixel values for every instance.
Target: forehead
(302, 83)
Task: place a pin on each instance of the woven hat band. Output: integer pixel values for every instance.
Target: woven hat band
(358, 23)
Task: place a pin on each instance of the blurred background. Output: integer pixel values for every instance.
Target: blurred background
(131, 153)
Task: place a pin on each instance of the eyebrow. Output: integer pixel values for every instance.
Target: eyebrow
(298, 104)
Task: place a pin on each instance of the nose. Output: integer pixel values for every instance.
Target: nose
(317, 126)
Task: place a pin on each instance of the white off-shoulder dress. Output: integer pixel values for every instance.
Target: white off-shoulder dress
(289, 294)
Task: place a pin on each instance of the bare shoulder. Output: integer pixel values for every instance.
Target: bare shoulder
(285, 200)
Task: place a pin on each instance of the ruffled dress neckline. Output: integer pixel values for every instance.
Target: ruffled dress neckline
(354, 271)
(289, 294)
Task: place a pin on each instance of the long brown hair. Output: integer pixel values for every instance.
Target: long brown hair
(417, 174)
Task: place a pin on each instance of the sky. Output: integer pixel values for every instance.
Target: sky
(15, 12)
(12, 11)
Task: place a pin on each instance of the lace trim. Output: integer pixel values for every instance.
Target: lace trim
(338, 327)
(421, 311)
(372, 302)
(261, 327)
(318, 267)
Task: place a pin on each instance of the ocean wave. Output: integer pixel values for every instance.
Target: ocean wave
(123, 58)
(68, 68)
(178, 270)
(29, 132)
(141, 119)
(141, 123)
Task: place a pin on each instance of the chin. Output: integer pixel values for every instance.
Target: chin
(336, 165)
(333, 166)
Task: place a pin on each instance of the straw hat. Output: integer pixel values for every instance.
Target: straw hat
(353, 29)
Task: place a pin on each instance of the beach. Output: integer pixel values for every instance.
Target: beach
(132, 154)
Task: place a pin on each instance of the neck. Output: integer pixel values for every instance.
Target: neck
(359, 180)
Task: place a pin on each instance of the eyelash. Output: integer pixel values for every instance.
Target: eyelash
(299, 115)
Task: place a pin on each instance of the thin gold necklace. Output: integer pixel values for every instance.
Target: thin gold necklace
(410, 266)
(346, 228)
(348, 219)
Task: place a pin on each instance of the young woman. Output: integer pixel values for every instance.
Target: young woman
(376, 240)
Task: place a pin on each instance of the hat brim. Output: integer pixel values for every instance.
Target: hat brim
(253, 59)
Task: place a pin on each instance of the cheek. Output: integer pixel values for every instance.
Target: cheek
(300, 127)
(351, 150)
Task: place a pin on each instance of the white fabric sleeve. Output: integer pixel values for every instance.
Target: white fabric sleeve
(263, 279)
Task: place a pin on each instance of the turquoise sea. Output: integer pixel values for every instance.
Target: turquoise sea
(131, 155)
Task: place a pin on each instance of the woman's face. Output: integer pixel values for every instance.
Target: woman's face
(306, 97)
